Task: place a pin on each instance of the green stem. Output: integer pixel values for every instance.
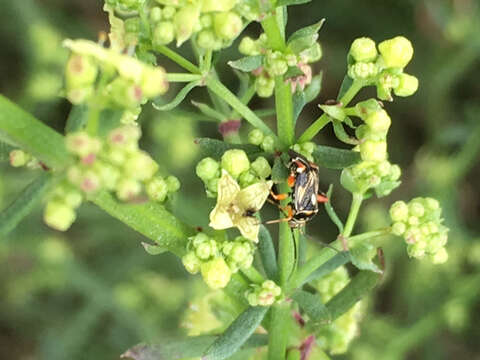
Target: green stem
(352, 215)
(93, 119)
(284, 107)
(323, 120)
(180, 60)
(273, 32)
(219, 89)
(278, 334)
(245, 99)
(174, 77)
(253, 275)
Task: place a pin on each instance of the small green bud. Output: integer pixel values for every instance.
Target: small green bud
(73, 198)
(395, 172)
(432, 204)
(208, 169)
(239, 252)
(265, 298)
(204, 250)
(59, 215)
(247, 178)
(227, 25)
(216, 273)
(268, 144)
(396, 52)
(168, 12)
(154, 82)
(127, 189)
(249, 47)
(140, 166)
(79, 96)
(227, 248)
(19, 158)
(155, 14)
(379, 121)
(220, 6)
(399, 211)
(308, 147)
(173, 184)
(132, 25)
(235, 162)
(184, 22)
(264, 86)
(362, 70)
(90, 182)
(407, 85)
(416, 208)
(206, 39)
(206, 20)
(440, 257)
(383, 168)
(363, 50)
(157, 189)
(416, 250)
(199, 239)
(191, 262)
(125, 93)
(262, 167)
(212, 187)
(398, 228)
(278, 67)
(255, 137)
(163, 34)
(372, 150)
(413, 221)
(81, 71)
(252, 298)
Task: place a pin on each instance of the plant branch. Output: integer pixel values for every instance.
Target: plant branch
(175, 57)
(174, 77)
(352, 215)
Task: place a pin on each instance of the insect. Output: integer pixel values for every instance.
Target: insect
(303, 179)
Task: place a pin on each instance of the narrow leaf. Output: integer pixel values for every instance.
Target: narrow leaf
(248, 63)
(24, 204)
(299, 102)
(331, 265)
(216, 148)
(150, 219)
(304, 38)
(293, 71)
(19, 128)
(334, 111)
(312, 305)
(357, 288)
(312, 90)
(77, 119)
(334, 158)
(208, 111)
(188, 348)
(179, 98)
(279, 171)
(267, 253)
(346, 84)
(331, 211)
(362, 257)
(236, 334)
(341, 134)
(291, 2)
(153, 249)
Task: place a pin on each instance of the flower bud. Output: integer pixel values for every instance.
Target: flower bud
(407, 85)
(125, 93)
(163, 34)
(81, 71)
(154, 82)
(372, 150)
(396, 52)
(399, 211)
(440, 257)
(235, 162)
(277, 67)
(416, 208)
(19, 158)
(157, 189)
(308, 147)
(220, 6)
(140, 166)
(155, 14)
(59, 215)
(173, 183)
(199, 239)
(184, 22)
(212, 187)
(191, 262)
(268, 144)
(227, 25)
(79, 143)
(204, 250)
(208, 169)
(255, 137)
(206, 21)
(127, 189)
(264, 86)
(216, 273)
(247, 178)
(362, 70)
(363, 50)
(398, 228)
(73, 198)
(90, 182)
(379, 121)
(432, 204)
(395, 172)
(261, 167)
(206, 39)
(249, 47)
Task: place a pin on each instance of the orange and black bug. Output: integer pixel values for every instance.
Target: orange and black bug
(304, 181)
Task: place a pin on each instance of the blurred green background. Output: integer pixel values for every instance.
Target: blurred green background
(92, 292)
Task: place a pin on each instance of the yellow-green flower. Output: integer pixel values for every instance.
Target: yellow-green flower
(234, 204)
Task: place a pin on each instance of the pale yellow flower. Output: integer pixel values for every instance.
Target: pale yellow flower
(234, 204)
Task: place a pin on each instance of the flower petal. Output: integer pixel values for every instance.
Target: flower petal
(220, 218)
(248, 226)
(228, 189)
(254, 196)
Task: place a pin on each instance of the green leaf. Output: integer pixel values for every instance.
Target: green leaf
(332, 264)
(267, 253)
(291, 2)
(346, 84)
(331, 211)
(5, 150)
(312, 305)
(150, 219)
(179, 98)
(279, 171)
(19, 128)
(299, 102)
(153, 249)
(77, 119)
(362, 257)
(357, 288)
(341, 134)
(216, 148)
(304, 38)
(236, 334)
(333, 158)
(334, 111)
(248, 63)
(208, 111)
(293, 71)
(191, 347)
(25, 203)
(312, 90)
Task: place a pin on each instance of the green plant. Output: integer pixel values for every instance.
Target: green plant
(99, 160)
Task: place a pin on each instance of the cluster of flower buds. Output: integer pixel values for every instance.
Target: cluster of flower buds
(19, 158)
(214, 24)
(336, 336)
(420, 224)
(306, 149)
(116, 165)
(126, 83)
(217, 260)
(237, 164)
(264, 295)
(266, 142)
(375, 171)
(275, 63)
(383, 68)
